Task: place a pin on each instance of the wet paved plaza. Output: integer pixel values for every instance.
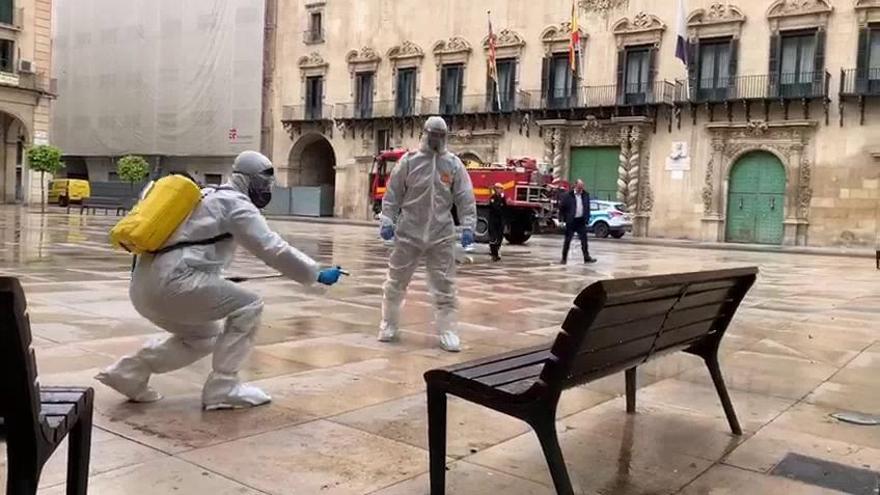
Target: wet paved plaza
(348, 413)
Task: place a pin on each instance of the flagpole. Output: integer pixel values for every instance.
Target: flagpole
(494, 60)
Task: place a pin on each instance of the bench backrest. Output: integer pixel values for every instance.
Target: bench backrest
(618, 324)
(19, 388)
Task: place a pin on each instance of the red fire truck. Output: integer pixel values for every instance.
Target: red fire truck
(531, 195)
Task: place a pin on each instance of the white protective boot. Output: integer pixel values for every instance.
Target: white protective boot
(449, 341)
(130, 377)
(225, 391)
(388, 333)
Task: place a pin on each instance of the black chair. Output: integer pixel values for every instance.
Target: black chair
(36, 419)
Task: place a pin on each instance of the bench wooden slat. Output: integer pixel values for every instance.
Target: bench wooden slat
(608, 336)
(456, 368)
(60, 397)
(685, 334)
(510, 376)
(691, 315)
(623, 313)
(507, 364)
(633, 351)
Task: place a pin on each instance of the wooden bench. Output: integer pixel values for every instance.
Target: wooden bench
(36, 419)
(615, 325)
(101, 203)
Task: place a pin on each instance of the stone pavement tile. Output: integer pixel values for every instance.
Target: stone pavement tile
(258, 366)
(752, 410)
(670, 365)
(471, 427)
(728, 480)
(676, 430)
(767, 374)
(405, 369)
(846, 397)
(109, 452)
(327, 392)
(597, 463)
(297, 328)
(770, 445)
(615, 384)
(177, 422)
(464, 478)
(817, 421)
(167, 475)
(317, 457)
(810, 352)
(321, 352)
(65, 358)
(864, 370)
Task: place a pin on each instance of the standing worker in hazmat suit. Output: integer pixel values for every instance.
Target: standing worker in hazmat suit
(180, 289)
(417, 211)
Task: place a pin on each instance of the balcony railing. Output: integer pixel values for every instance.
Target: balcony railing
(312, 36)
(474, 104)
(860, 82)
(804, 85)
(381, 109)
(306, 113)
(605, 96)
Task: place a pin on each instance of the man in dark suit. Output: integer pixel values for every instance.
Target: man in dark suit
(575, 211)
(497, 207)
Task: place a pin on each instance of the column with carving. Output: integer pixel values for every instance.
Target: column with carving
(639, 183)
(797, 191)
(713, 220)
(548, 152)
(559, 168)
(623, 169)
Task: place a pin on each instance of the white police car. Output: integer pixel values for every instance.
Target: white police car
(609, 218)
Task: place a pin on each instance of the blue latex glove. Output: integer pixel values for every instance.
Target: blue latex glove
(387, 232)
(467, 237)
(329, 276)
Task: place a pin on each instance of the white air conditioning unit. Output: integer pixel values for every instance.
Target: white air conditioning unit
(26, 66)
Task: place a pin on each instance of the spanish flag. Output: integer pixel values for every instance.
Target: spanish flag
(574, 45)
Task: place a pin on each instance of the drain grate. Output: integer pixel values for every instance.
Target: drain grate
(827, 474)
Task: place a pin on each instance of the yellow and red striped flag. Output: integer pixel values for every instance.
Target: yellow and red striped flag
(575, 43)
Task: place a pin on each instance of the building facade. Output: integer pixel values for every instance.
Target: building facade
(179, 83)
(771, 133)
(26, 92)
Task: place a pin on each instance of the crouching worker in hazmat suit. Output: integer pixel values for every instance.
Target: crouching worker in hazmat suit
(417, 213)
(181, 290)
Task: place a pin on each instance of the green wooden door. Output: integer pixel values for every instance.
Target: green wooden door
(756, 199)
(597, 167)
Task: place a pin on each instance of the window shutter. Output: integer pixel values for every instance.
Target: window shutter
(652, 73)
(862, 62)
(732, 68)
(621, 75)
(545, 80)
(819, 65)
(694, 65)
(773, 71)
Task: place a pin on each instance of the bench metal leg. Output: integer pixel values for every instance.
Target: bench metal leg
(79, 450)
(715, 371)
(545, 428)
(631, 387)
(22, 470)
(437, 439)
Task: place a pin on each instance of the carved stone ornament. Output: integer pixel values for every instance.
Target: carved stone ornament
(642, 22)
(867, 12)
(365, 55)
(594, 133)
(407, 49)
(603, 6)
(757, 127)
(453, 45)
(788, 8)
(558, 32)
(312, 61)
(507, 38)
(718, 13)
(708, 187)
(867, 4)
(805, 190)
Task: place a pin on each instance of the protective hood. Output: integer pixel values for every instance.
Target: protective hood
(434, 135)
(253, 174)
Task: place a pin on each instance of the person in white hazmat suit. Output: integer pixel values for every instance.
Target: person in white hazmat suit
(181, 290)
(417, 213)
